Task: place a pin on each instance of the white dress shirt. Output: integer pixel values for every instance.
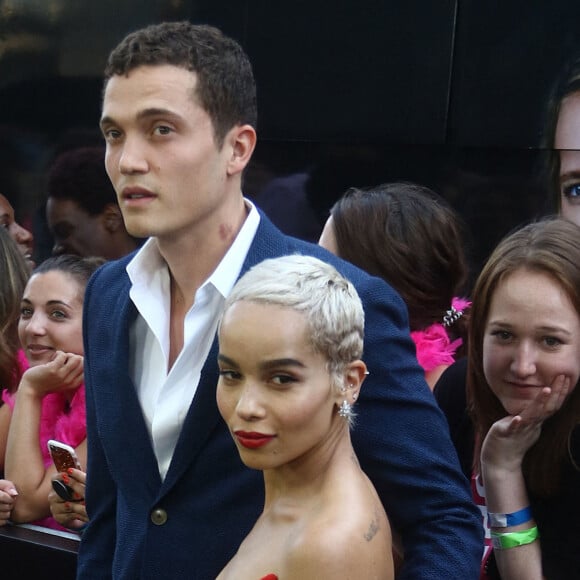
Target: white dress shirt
(165, 397)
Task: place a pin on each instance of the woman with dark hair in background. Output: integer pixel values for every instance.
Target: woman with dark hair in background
(49, 402)
(410, 237)
(14, 273)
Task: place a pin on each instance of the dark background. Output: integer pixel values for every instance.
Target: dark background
(449, 93)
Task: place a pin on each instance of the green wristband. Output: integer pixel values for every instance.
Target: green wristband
(507, 540)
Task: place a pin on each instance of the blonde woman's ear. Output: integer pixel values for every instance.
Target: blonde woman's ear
(356, 373)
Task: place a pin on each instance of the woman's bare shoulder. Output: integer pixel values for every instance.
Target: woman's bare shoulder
(348, 542)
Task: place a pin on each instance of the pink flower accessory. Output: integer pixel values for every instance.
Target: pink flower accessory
(434, 347)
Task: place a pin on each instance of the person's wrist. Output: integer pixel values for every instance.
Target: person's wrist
(501, 471)
(510, 519)
(28, 390)
(508, 540)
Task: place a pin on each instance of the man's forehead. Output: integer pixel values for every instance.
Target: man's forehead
(150, 87)
(147, 77)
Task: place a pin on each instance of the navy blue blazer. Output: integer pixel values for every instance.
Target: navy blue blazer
(191, 524)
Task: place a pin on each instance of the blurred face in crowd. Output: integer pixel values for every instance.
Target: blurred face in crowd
(567, 140)
(51, 316)
(532, 336)
(75, 231)
(20, 235)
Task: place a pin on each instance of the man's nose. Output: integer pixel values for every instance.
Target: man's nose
(132, 158)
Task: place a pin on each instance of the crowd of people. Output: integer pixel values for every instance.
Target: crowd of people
(259, 406)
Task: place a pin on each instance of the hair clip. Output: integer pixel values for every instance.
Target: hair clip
(452, 316)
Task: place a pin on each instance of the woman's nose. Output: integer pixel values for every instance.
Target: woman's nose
(524, 361)
(36, 324)
(249, 405)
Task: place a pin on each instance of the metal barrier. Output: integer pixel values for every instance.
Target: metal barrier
(28, 551)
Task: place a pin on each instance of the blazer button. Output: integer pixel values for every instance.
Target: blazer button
(158, 516)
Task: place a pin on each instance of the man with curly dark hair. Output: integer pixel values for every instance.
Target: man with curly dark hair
(167, 495)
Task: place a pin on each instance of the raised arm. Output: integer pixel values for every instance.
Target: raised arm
(516, 539)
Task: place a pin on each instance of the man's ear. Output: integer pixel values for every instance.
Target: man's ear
(112, 218)
(242, 141)
(354, 376)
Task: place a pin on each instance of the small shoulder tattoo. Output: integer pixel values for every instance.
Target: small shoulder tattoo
(373, 527)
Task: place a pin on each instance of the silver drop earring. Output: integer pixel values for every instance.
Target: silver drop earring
(345, 411)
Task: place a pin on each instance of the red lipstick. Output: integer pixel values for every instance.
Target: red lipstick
(252, 440)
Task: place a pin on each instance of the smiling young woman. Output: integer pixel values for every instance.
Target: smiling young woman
(49, 402)
(523, 374)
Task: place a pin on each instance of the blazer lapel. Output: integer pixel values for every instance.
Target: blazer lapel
(121, 411)
(201, 420)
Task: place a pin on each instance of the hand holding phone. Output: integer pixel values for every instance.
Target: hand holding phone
(63, 457)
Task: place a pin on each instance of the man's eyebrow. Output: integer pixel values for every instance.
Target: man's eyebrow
(144, 114)
(156, 112)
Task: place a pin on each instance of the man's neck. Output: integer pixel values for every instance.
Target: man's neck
(193, 257)
(191, 261)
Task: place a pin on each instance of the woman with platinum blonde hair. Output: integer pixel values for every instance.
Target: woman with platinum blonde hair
(290, 342)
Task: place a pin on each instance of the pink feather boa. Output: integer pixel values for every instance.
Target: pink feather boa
(60, 420)
(434, 347)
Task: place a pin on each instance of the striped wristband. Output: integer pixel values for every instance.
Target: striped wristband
(514, 519)
(507, 540)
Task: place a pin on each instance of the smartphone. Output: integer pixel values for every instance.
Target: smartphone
(63, 455)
